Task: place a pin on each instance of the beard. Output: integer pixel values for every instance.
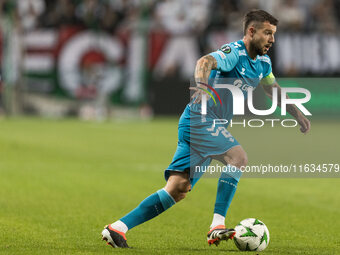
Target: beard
(256, 46)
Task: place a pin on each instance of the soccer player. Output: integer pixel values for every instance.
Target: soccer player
(246, 63)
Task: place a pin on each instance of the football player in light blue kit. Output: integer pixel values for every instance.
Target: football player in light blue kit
(244, 64)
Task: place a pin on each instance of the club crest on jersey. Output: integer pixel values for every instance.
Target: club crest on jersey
(226, 49)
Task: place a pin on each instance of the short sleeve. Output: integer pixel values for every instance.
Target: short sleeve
(226, 57)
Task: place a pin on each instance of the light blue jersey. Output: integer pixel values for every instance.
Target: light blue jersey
(198, 139)
(235, 67)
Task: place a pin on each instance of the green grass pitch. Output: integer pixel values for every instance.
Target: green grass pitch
(62, 181)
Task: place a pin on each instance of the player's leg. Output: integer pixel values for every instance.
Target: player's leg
(175, 189)
(234, 158)
(177, 186)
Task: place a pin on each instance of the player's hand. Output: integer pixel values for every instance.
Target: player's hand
(304, 123)
(197, 96)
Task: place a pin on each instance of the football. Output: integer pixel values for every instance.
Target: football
(251, 235)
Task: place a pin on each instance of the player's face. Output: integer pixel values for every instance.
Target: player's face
(263, 38)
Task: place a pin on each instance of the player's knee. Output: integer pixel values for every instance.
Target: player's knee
(239, 161)
(178, 188)
(244, 160)
(180, 196)
(181, 189)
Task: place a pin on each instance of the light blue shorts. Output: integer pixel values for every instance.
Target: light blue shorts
(197, 144)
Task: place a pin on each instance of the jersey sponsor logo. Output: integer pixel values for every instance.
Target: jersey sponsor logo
(226, 49)
(264, 58)
(238, 83)
(221, 54)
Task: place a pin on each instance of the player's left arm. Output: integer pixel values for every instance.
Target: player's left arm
(268, 83)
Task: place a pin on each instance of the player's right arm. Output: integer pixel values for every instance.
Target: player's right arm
(223, 60)
(202, 72)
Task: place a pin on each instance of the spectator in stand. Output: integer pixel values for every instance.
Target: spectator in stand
(181, 51)
(61, 12)
(337, 11)
(267, 5)
(90, 13)
(121, 6)
(122, 9)
(29, 12)
(110, 18)
(323, 15)
(227, 15)
(292, 17)
(223, 10)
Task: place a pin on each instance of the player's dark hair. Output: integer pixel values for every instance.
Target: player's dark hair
(258, 16)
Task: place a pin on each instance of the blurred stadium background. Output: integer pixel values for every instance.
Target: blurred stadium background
(107, 59)
(114, 60)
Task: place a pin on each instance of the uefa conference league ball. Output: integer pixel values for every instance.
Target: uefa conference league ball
(251, 235)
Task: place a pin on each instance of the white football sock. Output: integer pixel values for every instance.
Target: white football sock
(218, 219)
(120, 226)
